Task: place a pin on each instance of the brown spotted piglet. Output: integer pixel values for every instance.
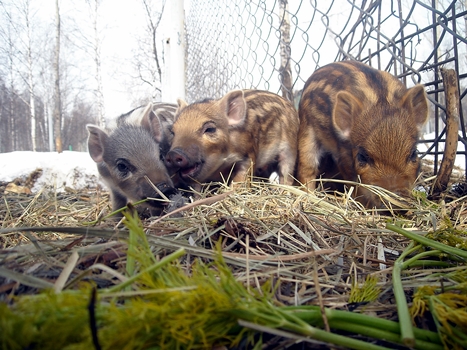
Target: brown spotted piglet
(217, 140)
(129, 156)
(362, 124)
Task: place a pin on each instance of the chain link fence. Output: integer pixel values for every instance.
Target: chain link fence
(276, 45)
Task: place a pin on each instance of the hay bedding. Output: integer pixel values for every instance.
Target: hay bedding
(310, 249)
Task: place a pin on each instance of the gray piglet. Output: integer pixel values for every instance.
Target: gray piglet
(129, 156)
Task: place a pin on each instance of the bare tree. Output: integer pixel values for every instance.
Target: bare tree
(3, 115)
(46, 89)
(8, 36)
(42, 72)
(57, 92)
(96, 48)
(31, 86)
(147, 61)
(22, 40)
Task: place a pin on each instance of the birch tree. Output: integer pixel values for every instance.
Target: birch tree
(22, 42)
(57, 113)
(29, 55)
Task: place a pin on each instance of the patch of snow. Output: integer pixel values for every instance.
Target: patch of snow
(59, 170)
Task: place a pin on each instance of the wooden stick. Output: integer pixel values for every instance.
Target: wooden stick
(451, 91)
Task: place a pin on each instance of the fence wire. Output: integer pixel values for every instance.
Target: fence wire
(276, 45)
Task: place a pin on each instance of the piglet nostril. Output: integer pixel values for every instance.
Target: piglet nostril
(176, 159)
(168, 160)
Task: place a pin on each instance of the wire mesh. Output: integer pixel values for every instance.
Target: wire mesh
(276, 45)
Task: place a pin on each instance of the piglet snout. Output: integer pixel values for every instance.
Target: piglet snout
(176, 159)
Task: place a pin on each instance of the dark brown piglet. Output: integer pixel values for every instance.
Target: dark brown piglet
(216, 140)
(363, 125)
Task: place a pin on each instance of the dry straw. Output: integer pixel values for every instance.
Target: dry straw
(295, 267)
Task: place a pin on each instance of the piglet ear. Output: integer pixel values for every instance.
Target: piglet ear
(234, 105)
(155, 125)
(96, 142)
(416, 103)
(346, 109)
(181, 105)
(161, 121)
(145, 116)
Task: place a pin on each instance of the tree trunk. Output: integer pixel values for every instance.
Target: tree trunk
(174, 73)
(50, 125)
(11, 107)
(11, 132)
(32, 104)
(32, 112)
(57, 99)
(285, 71)
(97, 60)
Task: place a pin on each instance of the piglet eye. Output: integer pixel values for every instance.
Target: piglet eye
(209, 127)
(123, 167)
(362, 157)
(413, 155)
